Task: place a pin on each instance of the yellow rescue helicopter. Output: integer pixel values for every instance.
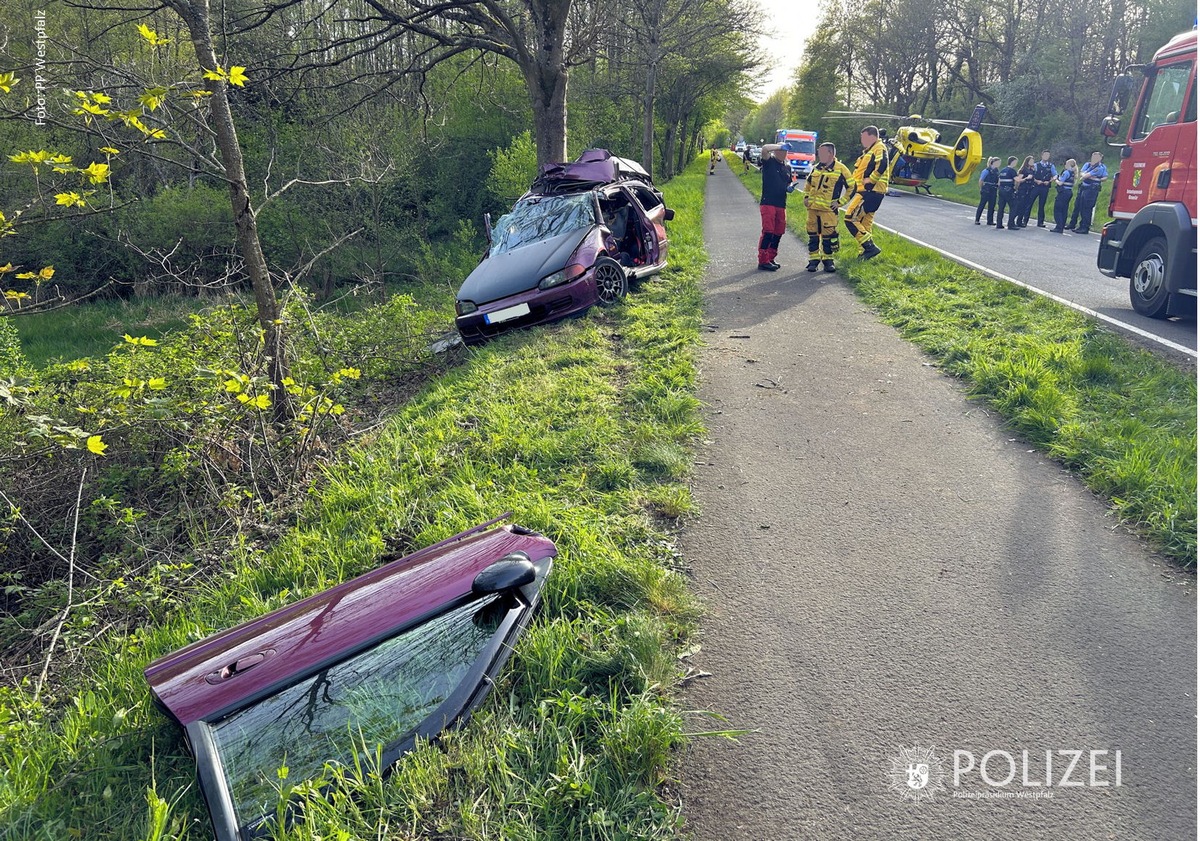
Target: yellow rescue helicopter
(917, 152)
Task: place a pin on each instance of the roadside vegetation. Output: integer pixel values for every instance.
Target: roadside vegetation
(1120, 416)
(94, 329)
(583, 430)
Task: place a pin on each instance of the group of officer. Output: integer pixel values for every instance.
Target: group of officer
(830, 185)
(1019, 189)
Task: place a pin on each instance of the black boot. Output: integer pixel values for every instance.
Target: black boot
(812, 265)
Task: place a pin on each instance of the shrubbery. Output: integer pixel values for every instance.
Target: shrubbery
(171, 446)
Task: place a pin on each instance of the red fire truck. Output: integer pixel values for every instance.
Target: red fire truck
(1152, 237)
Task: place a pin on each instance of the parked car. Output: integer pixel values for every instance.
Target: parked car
(740, 147)
(756, 155)
(353, 674)
(576, 239)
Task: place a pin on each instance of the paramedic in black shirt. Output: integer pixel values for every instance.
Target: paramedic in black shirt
(776, 184)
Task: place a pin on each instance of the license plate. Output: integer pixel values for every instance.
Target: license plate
(506, 314)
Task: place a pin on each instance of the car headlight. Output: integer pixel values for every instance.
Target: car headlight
(570, 273)
(465, 307)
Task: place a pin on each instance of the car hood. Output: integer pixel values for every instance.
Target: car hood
(501, 275)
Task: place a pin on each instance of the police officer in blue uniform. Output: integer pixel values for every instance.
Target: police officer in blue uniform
(1044, 173)
(1006, 181)
(1091, 176)
(987, 190)
(1064, 183)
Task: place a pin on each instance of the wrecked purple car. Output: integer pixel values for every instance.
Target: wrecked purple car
(577, 238)
(361, 670)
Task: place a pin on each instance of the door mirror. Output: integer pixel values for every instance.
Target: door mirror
(1110, 127)
(1122, 87)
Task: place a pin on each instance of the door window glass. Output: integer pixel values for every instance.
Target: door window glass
(1165, 99)
(374, 699)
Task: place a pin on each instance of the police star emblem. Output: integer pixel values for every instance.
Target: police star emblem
(916, 774)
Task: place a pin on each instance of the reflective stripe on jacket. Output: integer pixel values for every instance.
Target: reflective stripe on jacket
(827, 183)
(871, 169)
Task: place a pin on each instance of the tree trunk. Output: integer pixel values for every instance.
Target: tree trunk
(648, 119)
(545, 71)
(548, 95)
(669, 148)
(196, 18)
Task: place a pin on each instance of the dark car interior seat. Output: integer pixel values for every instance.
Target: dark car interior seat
(617, 213)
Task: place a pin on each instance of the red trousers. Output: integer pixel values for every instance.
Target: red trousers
(774, 223)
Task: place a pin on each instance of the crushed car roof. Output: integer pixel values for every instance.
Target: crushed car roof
(593, 168)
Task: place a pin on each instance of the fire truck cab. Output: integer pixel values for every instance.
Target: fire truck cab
(1151, 238)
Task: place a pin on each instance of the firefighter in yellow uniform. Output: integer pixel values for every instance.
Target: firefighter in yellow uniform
(871, 174)
(830, 184)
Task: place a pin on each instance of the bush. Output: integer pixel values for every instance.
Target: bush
(513, 169)
(12, 360)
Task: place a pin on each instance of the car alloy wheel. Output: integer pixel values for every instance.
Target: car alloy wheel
(611, 281)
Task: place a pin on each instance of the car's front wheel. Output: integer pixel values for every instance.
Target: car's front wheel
(612, 284)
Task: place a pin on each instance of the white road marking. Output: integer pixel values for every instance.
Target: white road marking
(1146, 334)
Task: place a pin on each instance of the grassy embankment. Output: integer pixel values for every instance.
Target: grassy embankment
(91, 328)
(1119, 415)
(583, 430)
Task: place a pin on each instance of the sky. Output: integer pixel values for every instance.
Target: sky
(792, 22)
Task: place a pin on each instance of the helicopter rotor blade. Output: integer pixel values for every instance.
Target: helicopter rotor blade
(964, 122)
(847, 114)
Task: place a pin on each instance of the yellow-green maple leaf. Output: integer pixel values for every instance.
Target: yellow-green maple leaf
(96, 173)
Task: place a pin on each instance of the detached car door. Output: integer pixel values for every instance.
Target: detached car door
(399, 653)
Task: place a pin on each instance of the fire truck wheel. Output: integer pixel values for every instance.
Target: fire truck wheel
(1148, 282)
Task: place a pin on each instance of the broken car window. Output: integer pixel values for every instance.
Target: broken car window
(373, 699)
(539, 218)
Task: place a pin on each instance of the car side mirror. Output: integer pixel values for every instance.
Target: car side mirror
(487, 227)
(1110, 127)
(510, 572)
(668, 215)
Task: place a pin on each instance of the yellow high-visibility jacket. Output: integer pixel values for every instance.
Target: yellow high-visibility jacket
(829, 186)
(871, 169)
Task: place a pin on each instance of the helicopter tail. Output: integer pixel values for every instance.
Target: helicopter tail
(968, 153)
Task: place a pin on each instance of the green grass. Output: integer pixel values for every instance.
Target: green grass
(94, 327)
(582, 431)
(1120, 416)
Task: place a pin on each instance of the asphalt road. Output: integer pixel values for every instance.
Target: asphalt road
(1061, 264)
(887, 568)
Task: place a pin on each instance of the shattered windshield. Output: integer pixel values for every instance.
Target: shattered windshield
(539, 218)
(374, 699)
